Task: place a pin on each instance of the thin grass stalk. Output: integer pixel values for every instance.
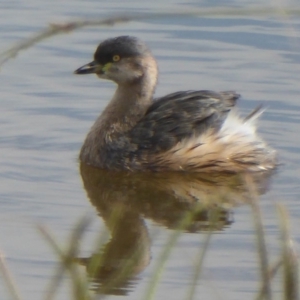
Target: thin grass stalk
(57, 279)
(199, 264)
(79, 285)
(260, 238)
(55, 29)
(12, 288)
(123, 274)
(272, 272)
(150, 292)
(96, 262)
(289, 258)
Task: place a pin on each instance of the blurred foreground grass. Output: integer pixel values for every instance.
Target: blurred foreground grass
(55, 29)
(287, 263)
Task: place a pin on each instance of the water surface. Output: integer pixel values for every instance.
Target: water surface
(46, 113)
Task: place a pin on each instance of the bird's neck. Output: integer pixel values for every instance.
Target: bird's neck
(130, 101)
(128, 105)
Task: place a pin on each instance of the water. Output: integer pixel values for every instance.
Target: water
(46, 112)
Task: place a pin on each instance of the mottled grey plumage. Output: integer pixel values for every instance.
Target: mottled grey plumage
(181, 115)
(184, 131)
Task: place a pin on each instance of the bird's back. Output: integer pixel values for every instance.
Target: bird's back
(178, 116)
(197, 131)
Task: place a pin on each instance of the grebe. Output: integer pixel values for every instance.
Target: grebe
(193, 131)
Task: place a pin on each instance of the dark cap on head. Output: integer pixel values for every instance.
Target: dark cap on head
(111, 51)
(124, 46)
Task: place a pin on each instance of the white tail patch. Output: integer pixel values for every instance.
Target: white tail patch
(234, 148)
(235, 125)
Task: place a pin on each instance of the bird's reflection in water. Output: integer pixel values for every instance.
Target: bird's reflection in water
(124, 200)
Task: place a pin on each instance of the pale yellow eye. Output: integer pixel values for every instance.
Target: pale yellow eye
(116, 58)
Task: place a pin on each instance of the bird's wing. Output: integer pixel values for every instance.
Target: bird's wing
(178, 116)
